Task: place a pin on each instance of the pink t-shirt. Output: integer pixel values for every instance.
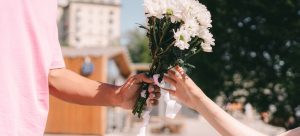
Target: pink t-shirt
(29, 48)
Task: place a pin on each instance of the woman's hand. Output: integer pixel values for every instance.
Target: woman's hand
(186, 90)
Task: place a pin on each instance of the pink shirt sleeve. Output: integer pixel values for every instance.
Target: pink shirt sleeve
(57, 57)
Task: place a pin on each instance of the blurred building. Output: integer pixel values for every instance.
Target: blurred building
(89, 31)
(89, 23)
(109, 65)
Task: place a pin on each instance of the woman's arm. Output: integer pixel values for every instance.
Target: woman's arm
(191, 95)
(293, 132)
(222, 121)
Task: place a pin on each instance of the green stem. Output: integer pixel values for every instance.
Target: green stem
(154, 33)
(164, 32)
(187, 57)
(167, 49)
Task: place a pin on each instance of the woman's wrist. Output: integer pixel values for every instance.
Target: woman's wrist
(199, 99)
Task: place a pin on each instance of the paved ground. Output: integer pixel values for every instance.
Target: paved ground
(193, 127)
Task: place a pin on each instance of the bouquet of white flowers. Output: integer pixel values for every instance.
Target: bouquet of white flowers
(177, 30)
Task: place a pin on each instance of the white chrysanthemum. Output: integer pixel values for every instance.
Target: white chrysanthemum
(182, 37)
(194, 15)
(208, 40)
(159, 8)
(174, 9)
(182, 45)
(192, 26)
(153, 8)
(200, 12)
(178, 10)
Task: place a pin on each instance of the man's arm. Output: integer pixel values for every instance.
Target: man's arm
(74, 88)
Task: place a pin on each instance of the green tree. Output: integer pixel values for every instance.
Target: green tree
(138, 46)
(256, 57)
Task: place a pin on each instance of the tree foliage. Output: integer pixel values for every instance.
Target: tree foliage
(138, 46)
(256, 57)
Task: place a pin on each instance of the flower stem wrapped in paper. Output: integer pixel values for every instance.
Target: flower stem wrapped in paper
(177, 30)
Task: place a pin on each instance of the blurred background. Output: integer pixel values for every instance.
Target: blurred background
(253, 72)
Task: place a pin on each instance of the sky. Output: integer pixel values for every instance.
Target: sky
(132, 12)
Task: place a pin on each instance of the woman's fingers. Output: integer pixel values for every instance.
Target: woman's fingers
(178, 68)
(178, 73)
(181, 72)
(174, 74)
(170, 80)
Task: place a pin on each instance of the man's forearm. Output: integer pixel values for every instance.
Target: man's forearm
(74, 88)
(225, 124)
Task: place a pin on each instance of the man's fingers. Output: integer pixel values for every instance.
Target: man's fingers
(129, 82)
(155, 95)
(156, 88)
(140, 78)
(153, 102)
(151, 88)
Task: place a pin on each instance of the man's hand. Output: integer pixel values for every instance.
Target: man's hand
(130, 91)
